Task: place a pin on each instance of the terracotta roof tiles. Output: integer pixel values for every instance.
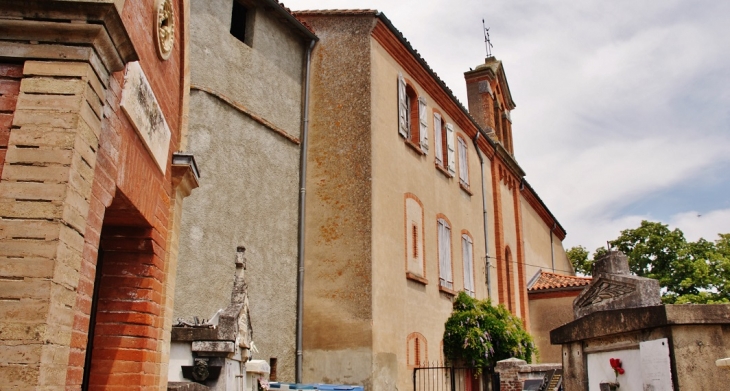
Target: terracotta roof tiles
(548, 281)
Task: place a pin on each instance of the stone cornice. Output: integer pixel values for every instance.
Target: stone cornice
(66, 30)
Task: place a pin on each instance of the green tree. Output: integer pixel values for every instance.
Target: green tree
(578, 256)
(688, 272)
(479, 334)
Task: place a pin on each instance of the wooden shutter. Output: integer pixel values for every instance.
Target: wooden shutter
(402, 108)
(437, 143)
(450, 155)
(463, 163)
(423, 119)
(468, 262)
(444, 239)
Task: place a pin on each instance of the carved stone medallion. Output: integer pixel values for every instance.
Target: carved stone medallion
(164, 28)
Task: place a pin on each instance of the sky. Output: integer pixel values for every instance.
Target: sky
(623, 107)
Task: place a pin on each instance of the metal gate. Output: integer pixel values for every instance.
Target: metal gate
(446, 378)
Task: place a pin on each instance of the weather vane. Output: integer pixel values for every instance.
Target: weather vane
(487, 42)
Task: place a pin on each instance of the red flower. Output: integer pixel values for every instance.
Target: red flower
(616, 366)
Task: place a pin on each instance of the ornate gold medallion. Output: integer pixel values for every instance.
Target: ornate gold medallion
(165, 28)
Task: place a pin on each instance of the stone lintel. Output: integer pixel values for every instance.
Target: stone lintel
(213, 348)
(190, 334)
(621, 321)
(96, 24)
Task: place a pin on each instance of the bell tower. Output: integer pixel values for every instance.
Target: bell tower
(490, 101)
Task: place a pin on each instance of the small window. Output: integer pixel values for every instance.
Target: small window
(239, 22)
(444, 245)
(416, 350)
(467, 254)
(463, 164)
(412, 117)
(415, 264)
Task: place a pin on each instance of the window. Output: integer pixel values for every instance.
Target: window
(416, 350)
(443, 136)
(415, 269)
(439, 131)
(444, 245)
(467, 255)
(412, 117)
(239, 23)
(463, 164)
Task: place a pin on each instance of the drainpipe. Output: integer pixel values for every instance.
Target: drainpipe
(552, 249)
(302, 199)
(484, 209)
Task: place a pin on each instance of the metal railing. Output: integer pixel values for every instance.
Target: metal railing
(440, 377)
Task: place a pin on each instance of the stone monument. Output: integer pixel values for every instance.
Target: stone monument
(624, 338)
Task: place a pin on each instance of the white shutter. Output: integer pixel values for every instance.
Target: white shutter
(423, 119)
(463, 163)
(450, 155)
(437, 144)
(444, 232)
(466, 253)
(402, 107)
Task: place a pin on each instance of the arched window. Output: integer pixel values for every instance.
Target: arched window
(414, 230)
(416, 350)
(412, 121)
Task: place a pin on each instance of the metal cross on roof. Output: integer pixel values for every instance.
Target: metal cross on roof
(487, 42)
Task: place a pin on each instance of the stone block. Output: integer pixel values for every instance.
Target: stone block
(28, 288)
(56, 103)
(51, 174)
(30, 209)
(53, 86)
(40, 156)
(21, 354)
(30, 229)
(45, 136)
(53, 119)
(28, 332)
(27, 248)
(32, 191)
(213, 348)
(19, 375)
(26, 267)
(24, 311)
(54, 68)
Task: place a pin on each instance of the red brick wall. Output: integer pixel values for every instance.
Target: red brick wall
(10, 75)
(128, 191)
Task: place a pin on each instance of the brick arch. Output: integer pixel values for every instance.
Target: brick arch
(416, 350)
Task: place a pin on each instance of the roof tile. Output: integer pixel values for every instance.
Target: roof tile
(548, 280)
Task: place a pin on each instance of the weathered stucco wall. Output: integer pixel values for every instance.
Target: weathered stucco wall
(538, 253)
(547, 314)
(402, 306)
(250, 191)
(338, 278)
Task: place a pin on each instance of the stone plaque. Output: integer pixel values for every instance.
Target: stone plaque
(141, 107)
(656, 369)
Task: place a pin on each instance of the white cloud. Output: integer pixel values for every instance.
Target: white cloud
(697, 225)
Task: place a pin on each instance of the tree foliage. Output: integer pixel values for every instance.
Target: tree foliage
(688, 272)
(479, 334)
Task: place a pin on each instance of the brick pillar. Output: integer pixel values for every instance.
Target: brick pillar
(509, 374)
(44, 204)
(10, 75)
